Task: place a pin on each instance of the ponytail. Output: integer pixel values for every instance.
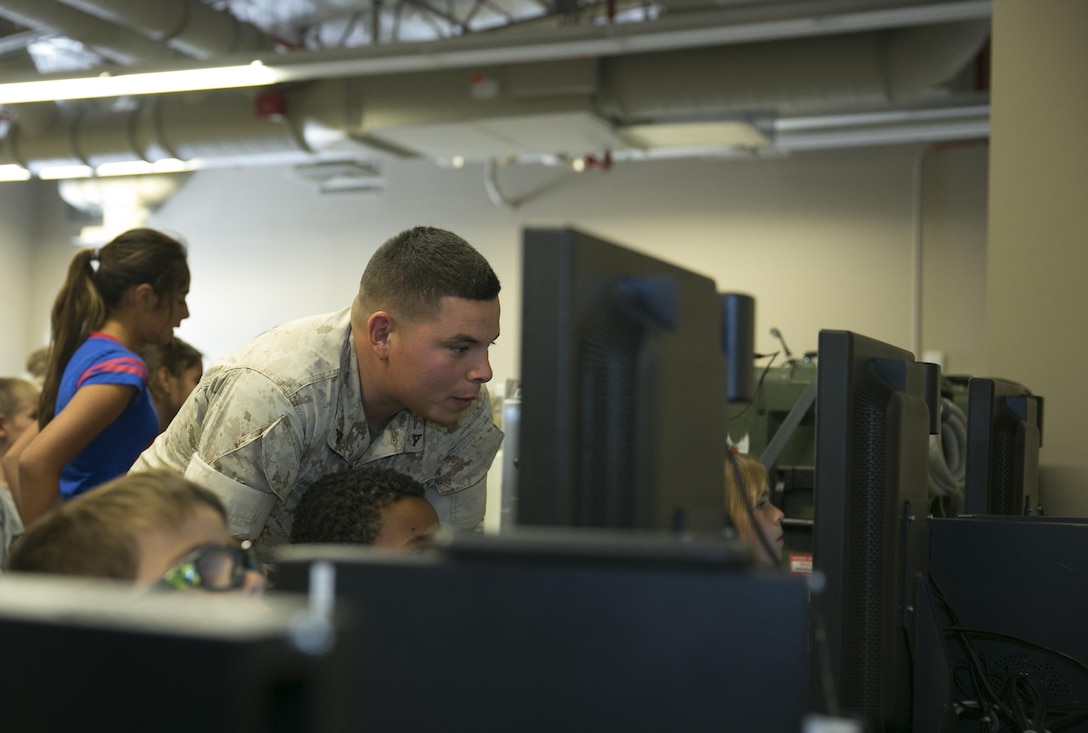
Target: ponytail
(96, 282)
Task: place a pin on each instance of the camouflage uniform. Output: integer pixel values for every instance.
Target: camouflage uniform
(267, 421)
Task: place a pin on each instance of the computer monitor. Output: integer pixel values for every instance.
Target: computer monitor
(567, 629)
(1004, 434)
(875, 409)
(89, 655)
(624, 389)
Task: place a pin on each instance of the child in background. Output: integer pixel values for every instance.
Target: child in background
(173, 370)
(365, 506)
(18, 412)
(758, 522)
(37, 361)
(95, 415)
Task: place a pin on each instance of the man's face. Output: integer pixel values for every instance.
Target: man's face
(436, 366)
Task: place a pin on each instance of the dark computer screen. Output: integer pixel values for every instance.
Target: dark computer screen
(567, 629)
(1004, 434)
(873, 420)
(86, 655)
(623, 413)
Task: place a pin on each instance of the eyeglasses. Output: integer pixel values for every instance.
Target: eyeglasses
(214, 568)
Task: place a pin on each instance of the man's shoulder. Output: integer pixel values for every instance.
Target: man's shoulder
(298, 351)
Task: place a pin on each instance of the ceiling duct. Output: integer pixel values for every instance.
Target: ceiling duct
(570, 106)
(789, 77)
(116, 44)
(187, 26)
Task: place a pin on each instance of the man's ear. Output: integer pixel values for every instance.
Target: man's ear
(379, 327)
(3, 428)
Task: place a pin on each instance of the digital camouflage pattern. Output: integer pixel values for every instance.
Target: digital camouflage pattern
(267, 421)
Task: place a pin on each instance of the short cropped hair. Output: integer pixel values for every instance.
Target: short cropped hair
(411, 273)
(754, 475)
(96, 534)
(346, 507)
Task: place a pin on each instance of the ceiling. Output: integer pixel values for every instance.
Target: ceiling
(579, 82)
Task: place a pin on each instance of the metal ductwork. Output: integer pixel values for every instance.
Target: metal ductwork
(187, 26)
(133, 32)
(502, 109)
(119, 45)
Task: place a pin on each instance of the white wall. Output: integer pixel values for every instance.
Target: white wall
(17, 239)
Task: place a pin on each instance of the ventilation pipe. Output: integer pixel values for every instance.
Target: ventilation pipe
(799, 75)
(121, 46)
(187, 26)
(122, 203)
(790, 77)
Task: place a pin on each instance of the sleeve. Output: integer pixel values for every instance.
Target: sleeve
(239, 436)
(115, 368)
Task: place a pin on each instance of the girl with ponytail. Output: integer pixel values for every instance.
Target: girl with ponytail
(95, 415)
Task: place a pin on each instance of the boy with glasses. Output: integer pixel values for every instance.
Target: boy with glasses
(154, 529)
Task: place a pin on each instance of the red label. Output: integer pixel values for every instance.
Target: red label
(800, 563)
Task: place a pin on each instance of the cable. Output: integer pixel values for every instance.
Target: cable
(1007, 706)
(759, 384)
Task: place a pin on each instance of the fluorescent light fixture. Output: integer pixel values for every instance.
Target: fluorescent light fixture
(729, 134)
(57, 172)
(155, 82)
(142, 167)
(14, 173)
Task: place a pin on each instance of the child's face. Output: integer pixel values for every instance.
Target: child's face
(18, 422)
(407, 524)
(161, 549)
(769, 521)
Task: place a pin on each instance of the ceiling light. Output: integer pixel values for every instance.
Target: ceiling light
(142, 167)
(14, 173)
(155, 82)
(56, 172)
(701, 135)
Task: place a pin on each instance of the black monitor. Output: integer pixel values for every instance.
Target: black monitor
(875, 409)
(624, 389)
(82, 655)
(567, 629)
(1004, 434)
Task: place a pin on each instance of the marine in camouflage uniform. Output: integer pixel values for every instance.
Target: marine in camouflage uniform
(266, 422)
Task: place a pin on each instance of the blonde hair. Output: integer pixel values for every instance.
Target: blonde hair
(15, 393)
(95, 534)
(754, 475)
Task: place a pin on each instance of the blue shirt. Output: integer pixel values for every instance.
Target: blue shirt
(102, 359)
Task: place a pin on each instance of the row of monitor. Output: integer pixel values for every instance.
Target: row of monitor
(623, 425)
